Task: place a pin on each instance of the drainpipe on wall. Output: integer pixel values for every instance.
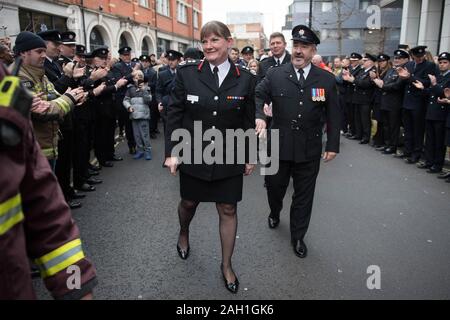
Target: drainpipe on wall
(440, 28)
(84, 25)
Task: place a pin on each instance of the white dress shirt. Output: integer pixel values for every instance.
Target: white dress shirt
(305, 71)
(224, 68)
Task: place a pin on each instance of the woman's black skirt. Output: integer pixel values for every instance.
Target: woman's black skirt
(228, 190)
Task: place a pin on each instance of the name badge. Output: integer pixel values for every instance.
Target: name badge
(192, 98)
(318, 94)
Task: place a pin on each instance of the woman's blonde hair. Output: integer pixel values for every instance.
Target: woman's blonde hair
(138, 73)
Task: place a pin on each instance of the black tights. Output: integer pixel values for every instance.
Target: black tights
(227, 229)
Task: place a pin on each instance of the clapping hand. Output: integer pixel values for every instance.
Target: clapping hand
(38, 105)
(379, 83)
(403, 73)
(419, 85)
(98, 90)
(432, 79)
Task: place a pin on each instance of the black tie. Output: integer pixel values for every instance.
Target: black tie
(216, 76)
(278, 62)
(301, 79)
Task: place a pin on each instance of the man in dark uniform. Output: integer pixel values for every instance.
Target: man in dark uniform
(67, 48)
(123, 69)
(436, 115)
(391, 101)
(304, 99)
(414, 102)
(151, 77)
(247, 55)
(166, 82)
(353, 69)
(363, 97)
(279, 54)
(54, 72)
(105, 123)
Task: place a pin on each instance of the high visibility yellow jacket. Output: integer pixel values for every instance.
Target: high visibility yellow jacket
(46, 126)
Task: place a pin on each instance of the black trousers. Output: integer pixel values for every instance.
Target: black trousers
(63, 167)
(414, 125)
(435, 143)
(379, 139)
(125, 123)
(391, 122)
(363, 121)
(350, 117)
(82, 149)
(342, 105)
(154, 117)
(104, 138)
(304, 176)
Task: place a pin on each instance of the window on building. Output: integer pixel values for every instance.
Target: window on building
(352, 34)
(123, 42)
(143, 3)
(95, 39)
(163, 46)
(301, 7)
(363, 4)
(195, 19)
(144, 49)
(327, 6)
(393, 34)
(37, 21)
(163, 7)
(182, 47)
(182, 13)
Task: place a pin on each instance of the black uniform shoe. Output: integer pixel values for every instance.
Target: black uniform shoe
(402, 155)
(132, 150)
(73, 204)
(77, 195)
(354, 138)
(411, 160)
(86, 187)
(381, 148)
(423, 165)
(94, 168)
(389, 151)
(434, 169)
(92, 173)
(364, 142)
(300, 248)
(273, 222)
(92, 181)
(108, 164)
(116, 158)
(445, 175)
(184, 254)
(233, 287)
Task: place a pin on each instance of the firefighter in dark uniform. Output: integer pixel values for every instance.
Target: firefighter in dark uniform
(415, 101)
(54, 72)
(166, 83)
(391, 101)
(105, 124)
(304, 99)
(362, 98)
(436, 115)
(123, 69)
(151, 77)
(380, 137)
(247, 55)
(35, 221)
(353, 69)
(220, 94)
(279, 54)
(446, 102)
(67, 48)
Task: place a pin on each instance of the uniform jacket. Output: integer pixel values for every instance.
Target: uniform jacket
(364, 89)
(55, 74)
(414, 98)
(164, 86)
(350, 87)
(35, 222)
(196, 98)
(392, 91)
(139, 100)
(104, 103)
(437, 111)
(46, 125)
(270, 62)
(300, 120)
(119, 70)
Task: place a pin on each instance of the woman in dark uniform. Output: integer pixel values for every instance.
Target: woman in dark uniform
(221, 95)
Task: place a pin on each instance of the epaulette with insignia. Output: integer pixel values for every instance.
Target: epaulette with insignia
(244, 69)
(189, 63)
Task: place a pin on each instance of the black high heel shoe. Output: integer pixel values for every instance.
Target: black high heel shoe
(231, 286)
(183, 253)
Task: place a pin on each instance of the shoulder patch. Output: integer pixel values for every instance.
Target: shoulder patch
(189, 63)
(242, 68)
(28, 84)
